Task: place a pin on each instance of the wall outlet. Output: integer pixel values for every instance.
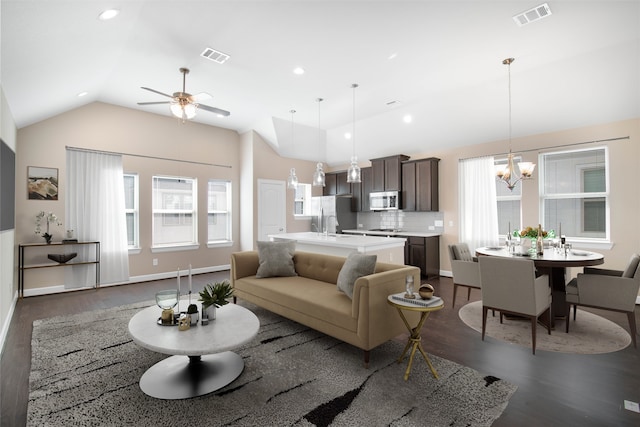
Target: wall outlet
(450, 223)
(439, 223)
(431, 228)
(155, 261)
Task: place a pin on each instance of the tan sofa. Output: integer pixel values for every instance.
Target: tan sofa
(312, 298)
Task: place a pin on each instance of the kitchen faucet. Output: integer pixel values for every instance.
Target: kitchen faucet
(336, 220)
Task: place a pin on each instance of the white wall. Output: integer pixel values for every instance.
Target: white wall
(8, 289)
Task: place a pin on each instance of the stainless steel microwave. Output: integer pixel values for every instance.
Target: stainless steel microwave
(384, 201)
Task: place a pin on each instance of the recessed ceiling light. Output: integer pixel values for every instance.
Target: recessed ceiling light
(392, 56)
(108, 14)
(347, 135)
(298, 70)
(407, 118)
(81, 94)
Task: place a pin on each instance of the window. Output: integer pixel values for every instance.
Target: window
(219, 211)
(131, 192)
(302, 200)
(174, 211)
(508, 202)
(574, 192)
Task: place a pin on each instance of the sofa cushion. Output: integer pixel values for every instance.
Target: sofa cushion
(355, 266)
(276, 259)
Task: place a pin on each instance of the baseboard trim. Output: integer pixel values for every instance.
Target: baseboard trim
(7, 322)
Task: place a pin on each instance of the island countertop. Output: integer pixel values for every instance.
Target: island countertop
(388, 249)
(393, 233)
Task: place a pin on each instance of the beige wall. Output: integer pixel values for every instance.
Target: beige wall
(112, 128)
(106, 127)
(624, 156)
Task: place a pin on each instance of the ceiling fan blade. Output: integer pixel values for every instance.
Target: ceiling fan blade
(200, 97)
(156, 91)
(153, 103)
(214, 110)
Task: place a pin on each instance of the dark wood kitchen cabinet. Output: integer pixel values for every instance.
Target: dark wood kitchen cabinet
(360, 191)
(424, 253)
(336, 184)
(387, 173)
(420, 185)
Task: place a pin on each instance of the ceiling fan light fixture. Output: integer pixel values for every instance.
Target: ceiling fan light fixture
(183, 109)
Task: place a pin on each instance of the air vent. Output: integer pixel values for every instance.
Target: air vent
(532, 15)
(215, 55)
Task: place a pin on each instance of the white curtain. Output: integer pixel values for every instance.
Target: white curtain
(477, 202)
(95, 210)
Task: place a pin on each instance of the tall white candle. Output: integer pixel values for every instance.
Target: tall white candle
(178, 290)
(560, 230)
(189, 278)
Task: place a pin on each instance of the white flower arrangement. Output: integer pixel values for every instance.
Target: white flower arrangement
(50, 218)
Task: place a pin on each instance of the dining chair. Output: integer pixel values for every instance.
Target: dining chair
(614, 290)
(464, 268)
(510, 286)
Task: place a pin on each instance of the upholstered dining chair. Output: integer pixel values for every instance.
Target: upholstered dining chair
(510, 286)
(614, 290)
(464, 268)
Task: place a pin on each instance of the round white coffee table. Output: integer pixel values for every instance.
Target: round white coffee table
(210, 364)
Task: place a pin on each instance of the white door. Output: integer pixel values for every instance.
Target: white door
(272, 217)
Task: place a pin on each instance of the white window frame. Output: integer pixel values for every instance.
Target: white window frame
(170, 247)
(229, 239)
(135, 248)
(588, 242)
(304, 199)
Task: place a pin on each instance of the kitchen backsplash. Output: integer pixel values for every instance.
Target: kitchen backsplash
(428, 222)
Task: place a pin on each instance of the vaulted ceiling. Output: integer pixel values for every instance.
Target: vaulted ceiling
(438, 61)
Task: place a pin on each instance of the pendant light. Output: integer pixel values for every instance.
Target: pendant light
(506, 173)
(318, 175)
(353, 174)
(292, 181)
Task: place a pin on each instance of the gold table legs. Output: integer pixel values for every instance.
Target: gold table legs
(415, 342)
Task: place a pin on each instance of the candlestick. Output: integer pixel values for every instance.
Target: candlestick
(560, 230)
(190, 278)
(178, 290)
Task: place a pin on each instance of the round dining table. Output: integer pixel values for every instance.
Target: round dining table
(553, 263)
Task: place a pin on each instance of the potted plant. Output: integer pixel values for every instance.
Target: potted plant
(192, 311)
(213, 296)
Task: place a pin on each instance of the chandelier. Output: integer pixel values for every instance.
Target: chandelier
(353, 173)
(508, 172)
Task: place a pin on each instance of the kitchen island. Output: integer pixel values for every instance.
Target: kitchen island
(388, 249)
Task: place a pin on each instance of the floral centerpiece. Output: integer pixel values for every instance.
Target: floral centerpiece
(532, 233)
(50, 218)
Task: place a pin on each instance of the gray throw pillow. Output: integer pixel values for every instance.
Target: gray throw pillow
(276, 259)
(355, 266)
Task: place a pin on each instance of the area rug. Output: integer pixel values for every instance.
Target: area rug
(85, 372)
(590, 334)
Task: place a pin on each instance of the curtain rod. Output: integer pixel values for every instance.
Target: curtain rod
(554, 146)
(88, 150)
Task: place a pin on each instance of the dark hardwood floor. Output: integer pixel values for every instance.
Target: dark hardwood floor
(554, 389)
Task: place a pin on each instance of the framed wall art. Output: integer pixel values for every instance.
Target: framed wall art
(42, 183)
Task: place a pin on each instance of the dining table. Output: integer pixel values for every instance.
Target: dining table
(552, 262)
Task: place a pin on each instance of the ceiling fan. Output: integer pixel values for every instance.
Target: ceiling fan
(184, 105)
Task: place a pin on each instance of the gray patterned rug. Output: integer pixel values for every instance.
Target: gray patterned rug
(85, 371)
(589, 334)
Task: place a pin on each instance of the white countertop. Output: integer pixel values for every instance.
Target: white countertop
(342, 240)
(393, 233)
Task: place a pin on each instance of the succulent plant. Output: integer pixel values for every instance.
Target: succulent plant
(216, 294)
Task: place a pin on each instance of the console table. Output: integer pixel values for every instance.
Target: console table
(49, 264)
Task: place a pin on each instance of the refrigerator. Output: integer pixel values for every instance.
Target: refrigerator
(334, 212)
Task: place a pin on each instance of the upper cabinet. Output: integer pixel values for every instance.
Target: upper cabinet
(420, 185)
(387, 173)
(336, 184)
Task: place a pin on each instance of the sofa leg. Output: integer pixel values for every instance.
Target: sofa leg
(367, 353)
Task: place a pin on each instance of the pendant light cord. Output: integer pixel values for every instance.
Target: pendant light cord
(353, 133)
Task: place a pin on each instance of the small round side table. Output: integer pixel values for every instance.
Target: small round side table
(415, 340)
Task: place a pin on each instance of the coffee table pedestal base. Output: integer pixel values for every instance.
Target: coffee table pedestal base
(182, 377)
